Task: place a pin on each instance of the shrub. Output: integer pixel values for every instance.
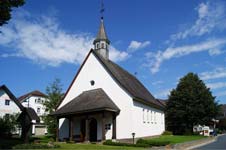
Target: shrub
(167, 133)
(35, 146)
(109, 142)
(8, 125)
(153, 142)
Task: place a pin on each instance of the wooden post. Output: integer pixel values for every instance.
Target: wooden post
(71, 127)
(57, 130)
(87, 130)
(114, 126)
(103, 127)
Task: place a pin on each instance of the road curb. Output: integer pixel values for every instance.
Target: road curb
(194, 144)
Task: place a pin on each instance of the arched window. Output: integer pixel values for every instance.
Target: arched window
(102, 45)
(97, 46)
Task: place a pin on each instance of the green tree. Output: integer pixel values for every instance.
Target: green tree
(191, 103)
(54, 93)
(6, 8)
(8, 125)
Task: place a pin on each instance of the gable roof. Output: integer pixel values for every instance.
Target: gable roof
(12, 97)
(33, 93)
(126, 80)
(32, 114)
(88, 101)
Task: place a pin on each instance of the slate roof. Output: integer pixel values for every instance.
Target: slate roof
(128, 82)
(88, 101)
(33, 93)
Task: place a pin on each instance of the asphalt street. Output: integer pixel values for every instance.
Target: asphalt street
(220, 144)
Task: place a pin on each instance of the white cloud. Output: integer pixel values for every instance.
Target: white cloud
(135, 45)
(117, 55)
(44, 42)
(215, 51)
(157, 82)
(154, 60)
(215, 74)
(216, 85)
(163, 93)
(211, 17)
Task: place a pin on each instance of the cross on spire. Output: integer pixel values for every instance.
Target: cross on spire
(102, 9)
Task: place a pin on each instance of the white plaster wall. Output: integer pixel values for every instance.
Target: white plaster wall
(30, 101)
(147, 124)
(93, 70)
(7, 109)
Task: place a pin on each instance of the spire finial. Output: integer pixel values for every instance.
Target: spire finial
(102, 9)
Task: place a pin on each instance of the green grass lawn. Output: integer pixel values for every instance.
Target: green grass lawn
(174, 139)
(95, 147)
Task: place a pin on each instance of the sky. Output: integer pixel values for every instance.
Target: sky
(156, 40)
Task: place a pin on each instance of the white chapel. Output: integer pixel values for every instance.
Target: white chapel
(104, 101)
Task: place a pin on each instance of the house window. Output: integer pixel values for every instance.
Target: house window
(38, 100)
(143, 116)
(38, 110)
(7, 102)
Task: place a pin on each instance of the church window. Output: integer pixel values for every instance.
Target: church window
(143, 116)
(155, 117)
(92, 82)
(97, 45)
(108, 126)
(148, 116)
(102, 45)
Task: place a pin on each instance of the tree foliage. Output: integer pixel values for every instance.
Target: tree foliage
(191, 103)
(6, 8)
(8, 125)
(54, 93)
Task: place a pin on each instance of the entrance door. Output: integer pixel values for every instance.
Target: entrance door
(93, 130)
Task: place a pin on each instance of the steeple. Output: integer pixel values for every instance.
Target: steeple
(101, 43)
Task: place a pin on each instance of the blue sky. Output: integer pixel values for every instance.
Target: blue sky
(159, 41)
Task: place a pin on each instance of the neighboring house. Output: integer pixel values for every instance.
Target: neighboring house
(104, 101)
(35, 100)
(9, 104)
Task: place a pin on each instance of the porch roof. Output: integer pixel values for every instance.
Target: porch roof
(88, 101)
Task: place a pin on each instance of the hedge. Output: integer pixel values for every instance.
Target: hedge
(109, 142)
(35, 146)
(153, 142)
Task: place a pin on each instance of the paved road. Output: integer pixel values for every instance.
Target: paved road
(220, 144)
